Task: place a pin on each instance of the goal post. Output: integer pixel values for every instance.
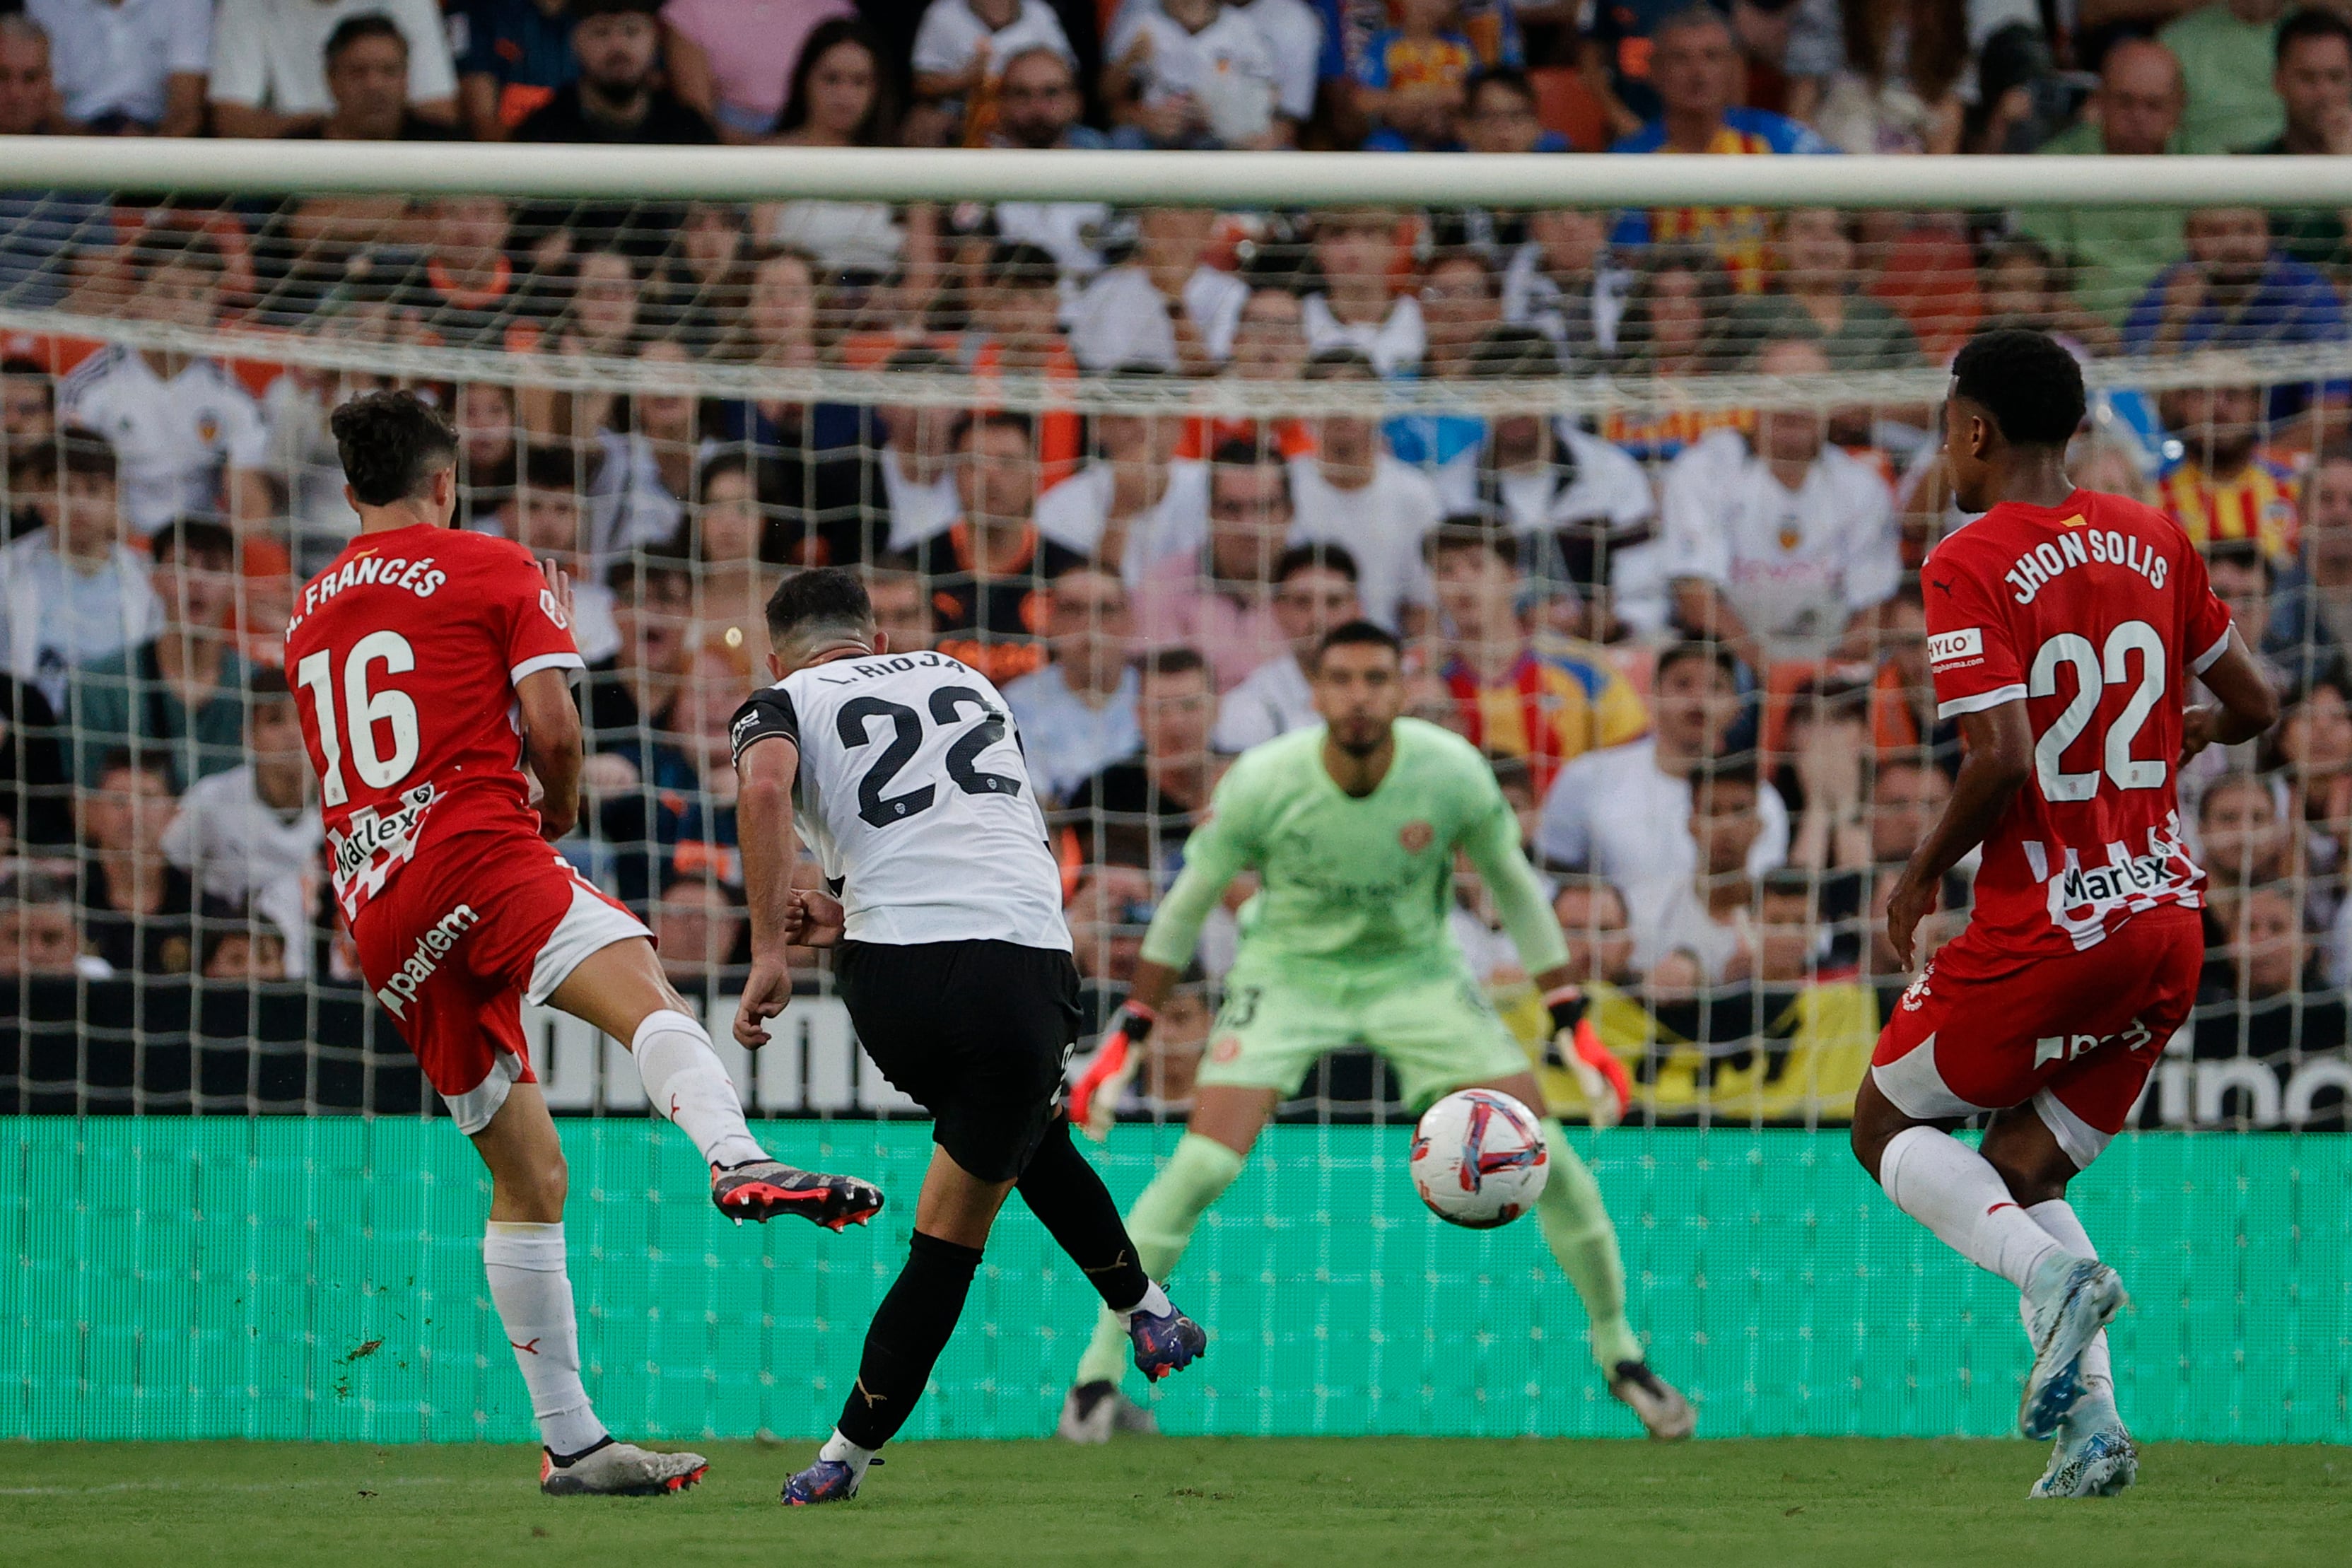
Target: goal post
(1223, 179)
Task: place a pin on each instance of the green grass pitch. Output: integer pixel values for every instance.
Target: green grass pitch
(1224, 1502)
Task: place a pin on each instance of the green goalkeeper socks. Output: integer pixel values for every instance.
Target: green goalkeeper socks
(1576, 1227)
(1160, 1225)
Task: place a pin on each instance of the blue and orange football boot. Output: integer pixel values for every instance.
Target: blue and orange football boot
(1166, 1342)
(827, 1480)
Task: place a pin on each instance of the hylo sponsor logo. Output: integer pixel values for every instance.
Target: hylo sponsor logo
(1950, 648)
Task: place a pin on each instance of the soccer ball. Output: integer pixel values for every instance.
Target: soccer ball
(1478, 1159)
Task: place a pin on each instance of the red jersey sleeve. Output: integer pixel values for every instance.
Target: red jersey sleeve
(1971, 655)
(2205, 620)
(537, 633)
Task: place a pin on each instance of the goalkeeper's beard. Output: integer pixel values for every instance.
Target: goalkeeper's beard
(1361, 749)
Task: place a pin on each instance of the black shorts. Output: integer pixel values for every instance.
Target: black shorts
(978, 1032)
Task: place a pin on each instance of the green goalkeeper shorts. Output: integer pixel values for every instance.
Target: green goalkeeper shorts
(1432, 1024)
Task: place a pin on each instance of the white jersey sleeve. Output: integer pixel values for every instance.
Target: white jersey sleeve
(915, 796)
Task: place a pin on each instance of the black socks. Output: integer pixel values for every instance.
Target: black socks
(910, 1329)
(1071, 1202)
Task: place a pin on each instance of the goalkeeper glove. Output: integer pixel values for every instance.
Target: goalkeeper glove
(1094, 1098)
(1576, 1045)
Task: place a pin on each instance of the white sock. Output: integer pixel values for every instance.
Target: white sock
(1155, 1301)
(2057, 1217)
(533, 1295)
(686, 1082)
(840, 1448)
(1953, 1191)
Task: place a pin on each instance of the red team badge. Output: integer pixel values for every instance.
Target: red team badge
(2096, 614)
(1415, 837)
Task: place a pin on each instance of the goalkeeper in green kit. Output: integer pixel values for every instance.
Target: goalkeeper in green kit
(1352, 827)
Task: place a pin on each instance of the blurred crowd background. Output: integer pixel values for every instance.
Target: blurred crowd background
(1155, 452)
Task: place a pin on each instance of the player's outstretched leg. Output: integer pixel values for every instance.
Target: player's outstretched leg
(1160, 1223)
(1071, 1202)
(620, 989)
(909, 1329)
(523, 1255)
(1577, 1229)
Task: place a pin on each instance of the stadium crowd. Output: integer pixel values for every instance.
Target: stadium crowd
(1689, 638)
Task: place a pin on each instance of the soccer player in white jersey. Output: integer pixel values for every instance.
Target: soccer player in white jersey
(954, 959)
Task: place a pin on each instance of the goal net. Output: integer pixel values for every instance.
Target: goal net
(1129, 460)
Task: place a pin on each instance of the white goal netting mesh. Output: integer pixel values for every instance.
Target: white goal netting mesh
(1127, 462)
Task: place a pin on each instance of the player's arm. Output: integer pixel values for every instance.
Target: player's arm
(2246, 705)
(2000, 760)
(550, 745)
(767, 739)
(1493, 846)
(1215, 854)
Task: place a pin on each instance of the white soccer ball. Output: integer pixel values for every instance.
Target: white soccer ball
(1478, 1159)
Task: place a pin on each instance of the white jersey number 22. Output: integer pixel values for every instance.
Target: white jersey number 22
(855, 725)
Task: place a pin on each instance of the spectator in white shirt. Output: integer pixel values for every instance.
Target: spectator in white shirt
(129, 67)
(74, 590)
(189, 437)
(269, 62)
(1193, 74)
(1135, 501)
(249, 837)
(1774, 548)
(1562, 282)
(1624, 813)
(1357, 252)
(1293, 33)
(645, 473)
(1165, 305)
(960, 50)
(1704, 934)
(918, 457)
(1076, 715)
(1314, 590)
(1584, 507)
(1351, 491)
(1293, 30)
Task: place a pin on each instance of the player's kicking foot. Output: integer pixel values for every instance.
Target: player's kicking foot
(827, 1480)
(2098, 1461)
(1665, 1412)
(759, 1189)
(1165, 1342)
(1096, 1412)
(2072, 1299)
(612, 1469)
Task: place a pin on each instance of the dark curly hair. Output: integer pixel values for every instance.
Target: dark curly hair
(391, 445)
(2026, 379)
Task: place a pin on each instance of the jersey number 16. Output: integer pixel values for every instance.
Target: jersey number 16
(377, 770)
